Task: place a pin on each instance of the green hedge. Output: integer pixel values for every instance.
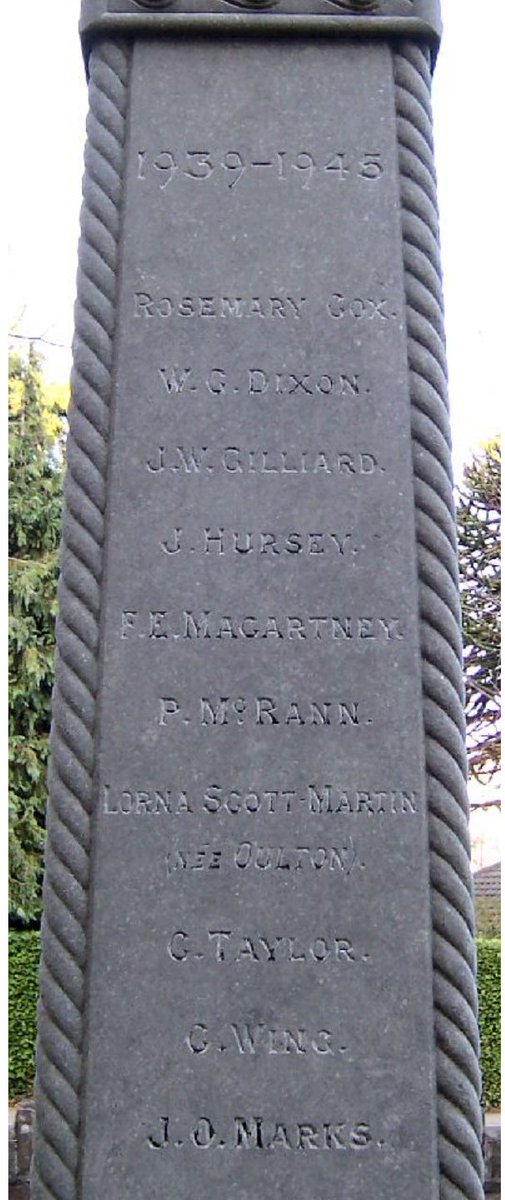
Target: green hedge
(24, 950)
(488, 979)
(24, 954)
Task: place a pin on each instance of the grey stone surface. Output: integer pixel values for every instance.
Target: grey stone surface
(492, 1156)
(23, 1131)
(12, 1155)
(260, 990)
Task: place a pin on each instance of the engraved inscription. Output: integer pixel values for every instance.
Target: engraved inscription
(315, 799)
(256, 381)
(263, 710)
(235, 460)
(232, 166)
(260, 1133)
(228, 945)
(247, 854)
(261, 834)
(256, 1038)
(218, 541)
(158, 304)
(160, 625)
(284, 307)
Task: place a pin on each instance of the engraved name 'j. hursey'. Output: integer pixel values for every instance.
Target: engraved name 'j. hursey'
(216, 541)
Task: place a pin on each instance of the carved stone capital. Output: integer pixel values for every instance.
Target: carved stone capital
(410, 19)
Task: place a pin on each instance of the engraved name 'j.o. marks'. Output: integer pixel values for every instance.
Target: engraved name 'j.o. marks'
(261, 1133)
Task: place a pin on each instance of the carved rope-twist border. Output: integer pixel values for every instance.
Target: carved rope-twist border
(455, 1002)
(59, 1051)
(71, 775)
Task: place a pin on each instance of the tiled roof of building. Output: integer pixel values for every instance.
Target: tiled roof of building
(487, 880)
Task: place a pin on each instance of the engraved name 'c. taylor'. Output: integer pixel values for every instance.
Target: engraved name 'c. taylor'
(229, 945)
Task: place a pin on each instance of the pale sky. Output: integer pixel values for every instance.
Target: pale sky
(47, 100)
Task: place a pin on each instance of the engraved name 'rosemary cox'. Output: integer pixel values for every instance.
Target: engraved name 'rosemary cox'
(231, 166)
(159, 305)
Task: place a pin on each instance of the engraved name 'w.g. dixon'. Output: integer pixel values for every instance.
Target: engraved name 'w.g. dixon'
(259, 381)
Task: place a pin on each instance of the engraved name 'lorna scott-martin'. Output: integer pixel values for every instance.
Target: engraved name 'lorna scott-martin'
(318, 799)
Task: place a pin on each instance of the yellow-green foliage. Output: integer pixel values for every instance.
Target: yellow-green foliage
(488, 979)
(36, 443)
(24, 954)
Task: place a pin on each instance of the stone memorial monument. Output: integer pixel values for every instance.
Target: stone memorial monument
(258, 965)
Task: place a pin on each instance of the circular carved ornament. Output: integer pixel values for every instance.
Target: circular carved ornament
(351, 6)
(253, 4)
(153, 4)
(357, 6)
